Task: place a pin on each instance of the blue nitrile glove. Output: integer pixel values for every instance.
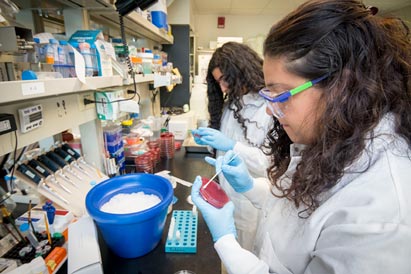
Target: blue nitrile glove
(197, 137)
(235, 171)
(212, 137)
(220, 221)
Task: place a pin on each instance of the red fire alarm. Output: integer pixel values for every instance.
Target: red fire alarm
(221, 22)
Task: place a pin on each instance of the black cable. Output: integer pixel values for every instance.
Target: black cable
(130, 70)
(14, 161)
(168, 99)
(134, 92)
(123, 38)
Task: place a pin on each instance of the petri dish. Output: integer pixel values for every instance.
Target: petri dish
(213, 193)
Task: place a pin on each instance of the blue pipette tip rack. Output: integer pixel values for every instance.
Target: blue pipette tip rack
(182, 233)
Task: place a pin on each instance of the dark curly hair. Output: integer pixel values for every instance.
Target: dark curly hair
(368, 59)
(241, 68)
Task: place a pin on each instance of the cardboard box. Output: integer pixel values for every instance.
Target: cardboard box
(106, 108)
(103, 50)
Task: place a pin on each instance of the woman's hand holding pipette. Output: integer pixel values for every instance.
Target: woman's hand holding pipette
(235, 171)
(220, 221)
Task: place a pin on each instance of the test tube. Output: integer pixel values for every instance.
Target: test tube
(25, 230)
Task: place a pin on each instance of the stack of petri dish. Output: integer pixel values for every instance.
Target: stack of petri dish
(154, 147)
(144, 163)
(167, 145)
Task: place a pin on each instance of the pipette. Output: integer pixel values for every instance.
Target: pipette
(70, 151)
(218, 172)
(54, 167)
(70, 159)
(62, 163)
(47, 175)
(80, 160)
(34, 177)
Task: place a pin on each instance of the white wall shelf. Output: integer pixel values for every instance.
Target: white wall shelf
(134, 24)
(13, 91)
(140, 78)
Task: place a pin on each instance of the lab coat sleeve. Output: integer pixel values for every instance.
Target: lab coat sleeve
(362, 248)
(257, 195)
(255, 159)
(236, 259)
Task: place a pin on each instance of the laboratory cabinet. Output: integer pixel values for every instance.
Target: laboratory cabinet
(62, 99)
(63, 108)
(179, 55)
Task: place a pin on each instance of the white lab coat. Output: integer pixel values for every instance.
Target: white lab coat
(363, 224)
(245, 214)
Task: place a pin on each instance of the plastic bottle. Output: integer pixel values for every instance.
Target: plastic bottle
(61, 52)
(54, 45)
(38, 56)
(60, 59)
(50, 210)
(85, 51)
(157, 62)
(136, 61)
(49, 54)
(119, 49)
(164, 57)
(66, 56)
(147, 61)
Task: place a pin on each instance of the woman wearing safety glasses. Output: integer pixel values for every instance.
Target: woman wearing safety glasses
(237, 122)
(337, 200)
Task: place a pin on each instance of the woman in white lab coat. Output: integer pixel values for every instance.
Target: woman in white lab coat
(237, 122)
(338, 200)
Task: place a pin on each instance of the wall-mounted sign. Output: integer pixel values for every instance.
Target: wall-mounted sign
(220, 22)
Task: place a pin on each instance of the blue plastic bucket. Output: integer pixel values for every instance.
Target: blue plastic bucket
(133, 234)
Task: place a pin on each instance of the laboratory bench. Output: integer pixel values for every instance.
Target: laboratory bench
(185, 166)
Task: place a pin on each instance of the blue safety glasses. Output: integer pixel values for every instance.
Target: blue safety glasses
(277, 100)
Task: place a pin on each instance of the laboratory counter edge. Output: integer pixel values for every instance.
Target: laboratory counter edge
(185, 166)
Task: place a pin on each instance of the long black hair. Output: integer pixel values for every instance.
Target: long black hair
(241, 68)
(368, 59)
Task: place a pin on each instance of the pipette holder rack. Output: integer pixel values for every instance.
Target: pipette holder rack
(186, 222)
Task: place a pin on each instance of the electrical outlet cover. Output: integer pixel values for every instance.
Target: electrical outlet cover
(80, 99)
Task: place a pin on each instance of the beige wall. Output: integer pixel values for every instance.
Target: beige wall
(405, 14)
(235, 25)
(248, 26)
(179, 12)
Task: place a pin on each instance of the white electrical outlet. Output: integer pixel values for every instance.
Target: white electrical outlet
(80, 99)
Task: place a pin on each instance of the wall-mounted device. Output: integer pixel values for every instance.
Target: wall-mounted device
(7, 123)
(31, 118)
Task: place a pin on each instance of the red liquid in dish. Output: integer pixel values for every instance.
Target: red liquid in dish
(213, 193)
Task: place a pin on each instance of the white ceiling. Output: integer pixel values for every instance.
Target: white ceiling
(275, 7)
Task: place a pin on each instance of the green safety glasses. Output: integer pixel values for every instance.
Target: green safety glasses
(277, 100)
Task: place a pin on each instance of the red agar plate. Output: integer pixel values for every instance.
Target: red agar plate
(213, 193)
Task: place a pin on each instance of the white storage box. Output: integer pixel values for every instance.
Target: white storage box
(179, 128)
